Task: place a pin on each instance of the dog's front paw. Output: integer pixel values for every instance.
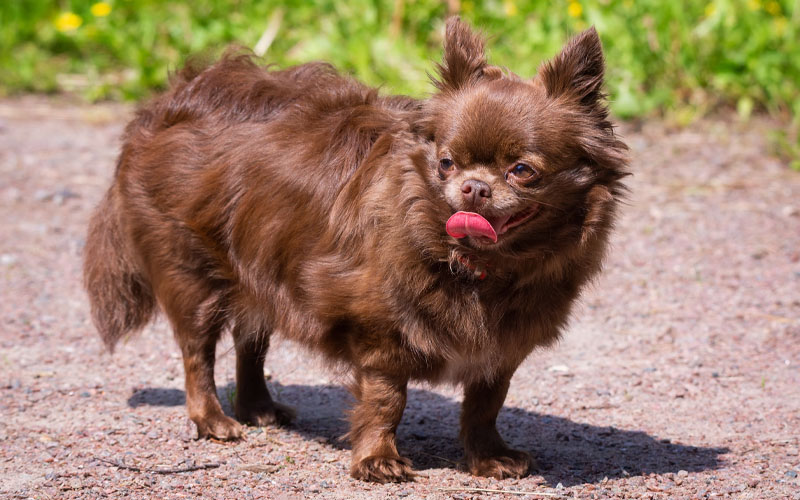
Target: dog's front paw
(219, 427)
(511, 463)
(262, 415)
(380, 469)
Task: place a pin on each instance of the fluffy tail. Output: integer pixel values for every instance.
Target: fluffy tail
(121, 298)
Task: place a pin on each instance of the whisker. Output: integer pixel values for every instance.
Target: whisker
(546, 204)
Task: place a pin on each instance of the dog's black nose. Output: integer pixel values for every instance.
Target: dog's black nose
(475, 192)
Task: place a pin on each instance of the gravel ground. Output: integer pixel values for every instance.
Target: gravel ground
(678, 377)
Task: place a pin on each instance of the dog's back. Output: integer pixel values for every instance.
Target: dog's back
(234, 89)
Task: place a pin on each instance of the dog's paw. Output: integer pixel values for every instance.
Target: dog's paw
(512, 463)
(381, 469)
(262, 415)
(219, 427)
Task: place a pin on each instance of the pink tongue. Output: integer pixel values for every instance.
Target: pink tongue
(462, 224)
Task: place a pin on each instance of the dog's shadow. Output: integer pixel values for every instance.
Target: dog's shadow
(567, 452)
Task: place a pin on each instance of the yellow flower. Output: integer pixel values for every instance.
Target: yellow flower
(780, 25)
(68, 21)
(101, 9)
(510, 8)
(773, 8)
(574, 9)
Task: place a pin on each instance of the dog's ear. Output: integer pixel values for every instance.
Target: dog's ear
(464, 57)
(577, 70)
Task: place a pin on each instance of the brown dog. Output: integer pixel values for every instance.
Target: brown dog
(437, 240)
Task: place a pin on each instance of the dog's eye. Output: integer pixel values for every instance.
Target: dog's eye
(445, 165)
(523, 172)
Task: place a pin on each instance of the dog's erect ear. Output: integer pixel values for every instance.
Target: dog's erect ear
(577, 70)
(464, 56)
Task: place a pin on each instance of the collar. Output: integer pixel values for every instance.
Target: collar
(469, 264)
(474, 266)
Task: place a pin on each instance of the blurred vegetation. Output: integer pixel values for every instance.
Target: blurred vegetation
(679, 59)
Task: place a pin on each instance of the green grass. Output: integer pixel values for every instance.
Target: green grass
(680, 59)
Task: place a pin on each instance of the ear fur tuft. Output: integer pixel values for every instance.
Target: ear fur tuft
(464, 56)
(578, 69)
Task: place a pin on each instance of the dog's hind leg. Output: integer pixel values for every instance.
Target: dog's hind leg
(254, 405)
(196, 311)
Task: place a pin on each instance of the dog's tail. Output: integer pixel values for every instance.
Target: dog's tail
(121, 297)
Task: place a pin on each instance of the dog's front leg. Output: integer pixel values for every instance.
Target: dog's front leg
(381, 399)
(486, 452)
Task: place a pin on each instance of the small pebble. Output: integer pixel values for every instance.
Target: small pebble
(8, 259)
(63, 194)
(792, 474)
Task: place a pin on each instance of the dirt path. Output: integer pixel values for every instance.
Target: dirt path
(679, 377)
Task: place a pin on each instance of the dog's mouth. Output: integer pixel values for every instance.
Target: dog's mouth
(487, 229)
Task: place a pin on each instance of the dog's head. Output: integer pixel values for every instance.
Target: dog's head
(524, 165)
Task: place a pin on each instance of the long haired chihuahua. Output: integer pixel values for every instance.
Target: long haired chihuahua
(439, 240)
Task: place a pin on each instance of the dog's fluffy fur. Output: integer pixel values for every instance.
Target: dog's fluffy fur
(304, 203)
